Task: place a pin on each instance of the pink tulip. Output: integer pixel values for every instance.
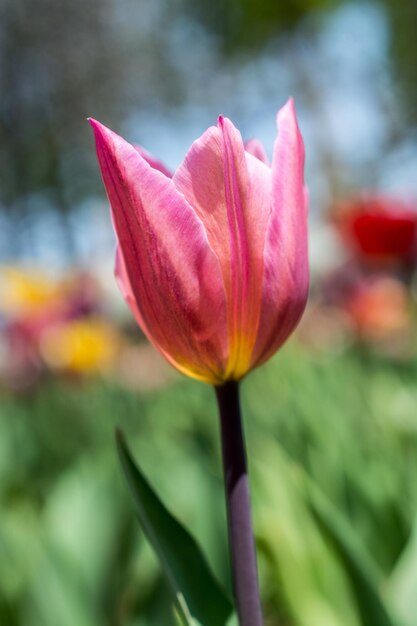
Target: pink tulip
(212, 260)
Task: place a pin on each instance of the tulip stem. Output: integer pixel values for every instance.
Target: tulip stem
(239, 517)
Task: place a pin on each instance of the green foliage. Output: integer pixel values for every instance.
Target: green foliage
(360, 568)
(242, 25)
(70, 548)
(198, 596)
(402, 584)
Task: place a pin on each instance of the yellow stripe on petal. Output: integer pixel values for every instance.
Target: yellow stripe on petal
(240, 357)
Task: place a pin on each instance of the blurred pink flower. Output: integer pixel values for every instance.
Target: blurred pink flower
(213, 260)
(380, 307)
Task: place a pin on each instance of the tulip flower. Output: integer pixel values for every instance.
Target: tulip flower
(213, 264)
(379, 230)
(380, 308)
(212, 260)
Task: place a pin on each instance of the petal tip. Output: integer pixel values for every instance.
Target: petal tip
(226, 126)
(93, 123)
(290, 104)
(255, 147)
(98, 128)
(288, 110)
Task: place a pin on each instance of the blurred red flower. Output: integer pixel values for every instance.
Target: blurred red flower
(378, 229)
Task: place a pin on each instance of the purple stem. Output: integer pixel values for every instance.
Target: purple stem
(241, 541)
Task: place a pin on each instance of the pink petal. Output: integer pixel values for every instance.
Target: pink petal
(285, 282)
(123, 281)
(230, 191)
(255, 147)
(170, 272)
(153, 162)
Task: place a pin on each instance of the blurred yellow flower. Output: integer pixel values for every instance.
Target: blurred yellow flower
(24, 291)
(82, 346)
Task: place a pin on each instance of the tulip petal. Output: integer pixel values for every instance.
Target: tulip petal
(123, 282)
(153, 162)
(170, 269)
(229, 190)
(285, 281)
(256, 149)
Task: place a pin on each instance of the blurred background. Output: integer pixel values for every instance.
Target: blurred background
(335, 409)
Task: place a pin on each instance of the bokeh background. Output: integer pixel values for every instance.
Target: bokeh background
(335, 409)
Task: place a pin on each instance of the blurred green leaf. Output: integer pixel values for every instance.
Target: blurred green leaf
(302, 579)
(360, 567)
(403, 581)
(199, 598)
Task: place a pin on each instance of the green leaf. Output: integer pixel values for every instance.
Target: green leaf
(198, 596)
(403, 581)
(362, 571)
